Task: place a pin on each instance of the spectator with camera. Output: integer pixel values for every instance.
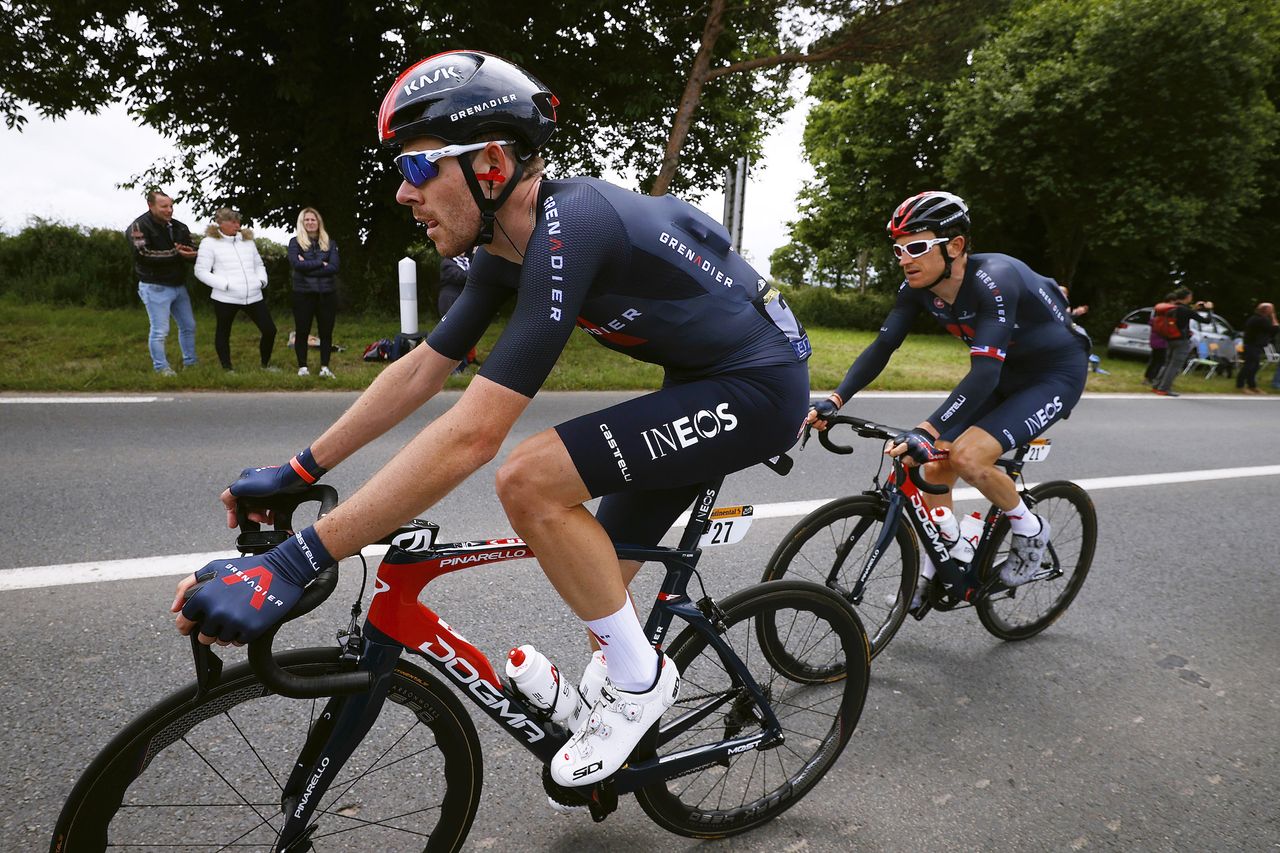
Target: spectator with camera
(1180, 346)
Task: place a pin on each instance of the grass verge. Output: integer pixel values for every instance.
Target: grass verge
(44, 349)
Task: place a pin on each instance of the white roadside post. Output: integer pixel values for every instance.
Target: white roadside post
(409, 336)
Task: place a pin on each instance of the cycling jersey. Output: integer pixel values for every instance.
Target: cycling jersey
(1017, 325)
(654, 278)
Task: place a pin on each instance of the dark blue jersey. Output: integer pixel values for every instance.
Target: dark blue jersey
(650, 277)
(1013, 319)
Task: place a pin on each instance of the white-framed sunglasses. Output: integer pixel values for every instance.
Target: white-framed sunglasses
(418, 167)
(916, 248)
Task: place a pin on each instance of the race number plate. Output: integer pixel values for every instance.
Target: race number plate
(727, 525)
(1038, 451)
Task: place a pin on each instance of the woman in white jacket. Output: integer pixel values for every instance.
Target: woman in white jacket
(228, 261)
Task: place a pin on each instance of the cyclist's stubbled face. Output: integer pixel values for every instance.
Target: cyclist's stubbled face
(443, 203)
(925, 270)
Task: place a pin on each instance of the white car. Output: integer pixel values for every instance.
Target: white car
(1131, 336)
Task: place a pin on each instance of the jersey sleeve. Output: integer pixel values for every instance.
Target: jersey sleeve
(578, 231)
(997, 312)
(873, 359)
(490, 282)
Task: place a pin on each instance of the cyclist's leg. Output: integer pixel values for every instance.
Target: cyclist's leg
(1031, 401)
(684, 434)
(681, 435)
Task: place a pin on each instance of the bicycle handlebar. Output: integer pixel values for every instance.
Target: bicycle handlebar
(870, 429)
(254, 540)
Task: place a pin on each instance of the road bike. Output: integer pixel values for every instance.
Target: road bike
(866, 548)
(358, 748)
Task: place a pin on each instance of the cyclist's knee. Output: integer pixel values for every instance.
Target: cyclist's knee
(971, 455)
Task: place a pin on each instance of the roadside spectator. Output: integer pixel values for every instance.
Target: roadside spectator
(1076, 310)
(1155, 363)
(314, 258)
(230, 264)
(161, 248)
(453, 277)
(1259, 330)
(1180, 346)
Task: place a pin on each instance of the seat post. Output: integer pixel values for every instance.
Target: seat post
(699, 513)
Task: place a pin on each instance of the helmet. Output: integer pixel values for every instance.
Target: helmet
(929, 211)
(459, 95)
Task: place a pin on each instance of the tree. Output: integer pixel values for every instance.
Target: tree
(778, 35)
(272, 107)
(1132, 130)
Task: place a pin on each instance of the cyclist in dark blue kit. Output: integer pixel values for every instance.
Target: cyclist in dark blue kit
(1027, 363)
(650, 277)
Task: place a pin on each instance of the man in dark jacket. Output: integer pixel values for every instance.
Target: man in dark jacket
(1180, 347)
(162, 248)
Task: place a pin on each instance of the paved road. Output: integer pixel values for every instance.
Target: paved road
(1147, 718)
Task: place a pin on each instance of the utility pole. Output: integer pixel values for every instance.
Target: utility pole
(735, 191)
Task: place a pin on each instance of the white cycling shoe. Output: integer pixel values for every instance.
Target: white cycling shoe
(1026, 553)
(618, 720)
(589, 687)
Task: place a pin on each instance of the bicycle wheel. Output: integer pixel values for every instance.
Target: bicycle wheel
(757, 785)
(1026, 610)
(208, 775)
(831, 545)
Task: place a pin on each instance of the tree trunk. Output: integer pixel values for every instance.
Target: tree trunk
(691, 98)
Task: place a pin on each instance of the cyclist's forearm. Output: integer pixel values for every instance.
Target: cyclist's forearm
(436, 461)
(397, 392)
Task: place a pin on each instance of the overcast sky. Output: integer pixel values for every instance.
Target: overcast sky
(67, 171)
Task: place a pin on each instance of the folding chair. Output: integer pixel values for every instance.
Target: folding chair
(1207, 358)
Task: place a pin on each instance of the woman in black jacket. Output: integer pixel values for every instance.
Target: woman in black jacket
(1259, 330)
(314, 258)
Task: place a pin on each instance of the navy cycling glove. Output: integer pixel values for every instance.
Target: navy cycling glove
(301, 471)
(237, 600)
(920, 446)
(826, 408)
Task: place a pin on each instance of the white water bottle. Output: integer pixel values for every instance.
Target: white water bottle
(945, 520)
(539, 680)
(971, 531)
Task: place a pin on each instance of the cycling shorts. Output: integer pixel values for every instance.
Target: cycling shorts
(651, 455)
(1027, 402)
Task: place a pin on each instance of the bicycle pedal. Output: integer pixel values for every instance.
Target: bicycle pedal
(604, 800)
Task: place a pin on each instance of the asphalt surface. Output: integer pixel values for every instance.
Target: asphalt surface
(1147, 718)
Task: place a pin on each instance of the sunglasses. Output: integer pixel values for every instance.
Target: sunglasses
(916, 248)
(418, 167)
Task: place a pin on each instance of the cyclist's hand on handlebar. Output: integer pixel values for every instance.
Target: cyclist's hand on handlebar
(820, 411)
(918, 446)
(236, 600)
(296, 475)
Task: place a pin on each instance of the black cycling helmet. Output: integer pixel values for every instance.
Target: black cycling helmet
(929, 211)
(461, 94)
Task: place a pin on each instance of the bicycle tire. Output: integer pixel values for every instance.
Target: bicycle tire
(817, 719)
(197, 749)
(1028, 609)
(810, 550)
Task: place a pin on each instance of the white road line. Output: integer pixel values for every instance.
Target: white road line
(56, 400)
(34, 577)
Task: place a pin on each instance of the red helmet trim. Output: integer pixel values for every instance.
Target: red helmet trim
(387, 110)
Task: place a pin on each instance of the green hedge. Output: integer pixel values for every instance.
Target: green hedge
(861, 310)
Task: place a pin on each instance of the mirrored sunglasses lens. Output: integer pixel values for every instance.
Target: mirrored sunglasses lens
(917, 248)
(416, 168)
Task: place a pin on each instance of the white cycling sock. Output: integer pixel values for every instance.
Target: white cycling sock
(927, 568)
(633, 663)
(1021, 520)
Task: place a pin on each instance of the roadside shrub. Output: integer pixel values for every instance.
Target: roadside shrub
(861, 310)
(53, 262)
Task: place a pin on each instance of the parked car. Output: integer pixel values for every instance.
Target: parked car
(1132, 334)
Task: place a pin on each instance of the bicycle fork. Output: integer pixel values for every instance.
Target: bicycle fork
(335, 735)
